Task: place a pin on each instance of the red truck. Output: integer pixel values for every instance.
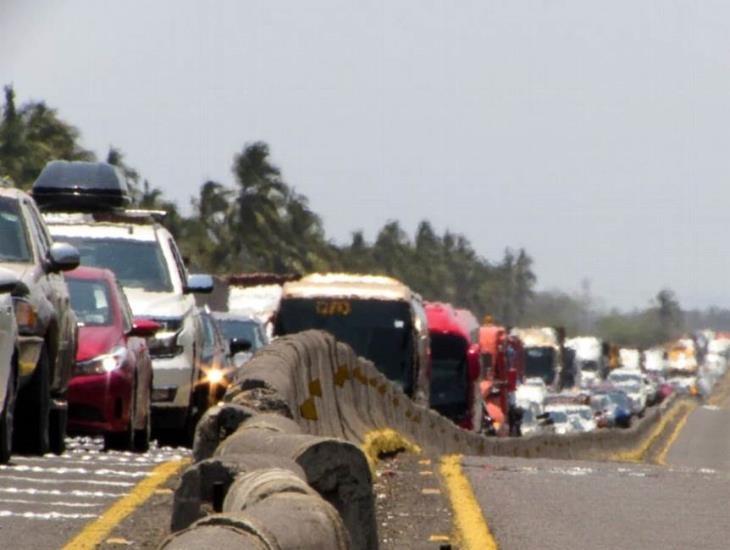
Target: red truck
(503, 360)
(456, 369)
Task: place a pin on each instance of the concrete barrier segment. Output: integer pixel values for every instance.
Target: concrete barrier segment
(220, 537)
(217, 423)
(195, 491)
(250, 488)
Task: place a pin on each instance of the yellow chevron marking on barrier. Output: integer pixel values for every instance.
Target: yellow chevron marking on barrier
(386, 441)
(94, 533)
(396, 402)
(315, 387)
(359, 376)
(373, 382)
(308, 409)
(382, 388)
(342, 375)
(472, 530)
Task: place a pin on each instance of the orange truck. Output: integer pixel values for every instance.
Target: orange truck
(503, 360)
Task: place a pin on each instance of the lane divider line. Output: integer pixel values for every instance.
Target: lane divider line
(472, 530)
(661, 457)
(94, 533)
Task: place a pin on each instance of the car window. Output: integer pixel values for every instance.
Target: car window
(91, 301)
(178, 262)
(137, 264)
(14, 243)
(127, 316)
(39, 227)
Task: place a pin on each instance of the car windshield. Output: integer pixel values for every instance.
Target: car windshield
(449, 375)
(588, 365)
(137, 264)
(559, 417)
(379, 330)
(631, 387)
(243, 330)
(90, 301)
(13, 237)
(539, 362)
(620, 399)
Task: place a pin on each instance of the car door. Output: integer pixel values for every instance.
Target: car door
(55, 291)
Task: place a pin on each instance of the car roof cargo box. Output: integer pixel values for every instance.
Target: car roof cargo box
(80, 187)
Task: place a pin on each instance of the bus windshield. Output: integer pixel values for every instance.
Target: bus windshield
(539, 362)
(449, 386)
(378, 330)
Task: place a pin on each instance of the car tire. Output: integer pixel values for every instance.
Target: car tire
(6, 418)
(57, 430)
(142, 437)
(34, 410)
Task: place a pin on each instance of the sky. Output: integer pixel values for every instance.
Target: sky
(594, 134)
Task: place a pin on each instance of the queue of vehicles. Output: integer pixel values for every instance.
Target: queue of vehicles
(118, 347)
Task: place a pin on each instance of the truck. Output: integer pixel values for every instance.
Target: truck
(456, 368)
(543, 353)
(589, 362)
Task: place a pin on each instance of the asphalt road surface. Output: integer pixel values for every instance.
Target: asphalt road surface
(45, 501)
(564, 504)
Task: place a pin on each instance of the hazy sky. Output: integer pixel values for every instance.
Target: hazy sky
(594, 134)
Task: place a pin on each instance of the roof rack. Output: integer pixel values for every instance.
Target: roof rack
(120, 215)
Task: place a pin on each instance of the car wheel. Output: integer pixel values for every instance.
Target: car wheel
(34, 409)
(143, 435)
(6, 418)
(57, 430)
(124, 440)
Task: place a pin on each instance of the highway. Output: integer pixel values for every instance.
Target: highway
(45, 501)
(563, 504)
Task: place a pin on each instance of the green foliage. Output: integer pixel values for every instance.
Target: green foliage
(30, 137)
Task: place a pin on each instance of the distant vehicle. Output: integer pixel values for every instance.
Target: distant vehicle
(379, 317)
(46, 323)
(532, 390)
(8, 362)
(633, 383)
(561, 422)
(630, 358)
(82, 204)
(455, 366)
(503, 361)
(214, 357)
(112, 384)
(584, 414)
(617, 409)
(682, 357)
(543, 356)
(589, 360)
(655, 360)
(245, 335)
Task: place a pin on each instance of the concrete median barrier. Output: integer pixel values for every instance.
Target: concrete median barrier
(295, 429)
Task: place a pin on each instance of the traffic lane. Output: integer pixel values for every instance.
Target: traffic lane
(561, 504)
(704, 441)
(44, 501)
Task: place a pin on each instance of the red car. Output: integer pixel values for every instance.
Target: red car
(110, 390)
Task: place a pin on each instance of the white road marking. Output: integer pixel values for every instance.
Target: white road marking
(46, 515)
(41, 503)
(70, 481)
(64, 471)
(58, 492)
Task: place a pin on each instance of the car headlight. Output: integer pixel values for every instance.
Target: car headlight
(25, 316)
(103, 364)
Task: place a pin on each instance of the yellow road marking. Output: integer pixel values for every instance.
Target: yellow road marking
(378, 442)
(471, 526)
(662, 456)
(93, 534)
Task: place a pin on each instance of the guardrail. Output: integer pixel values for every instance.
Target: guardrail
(285, 461)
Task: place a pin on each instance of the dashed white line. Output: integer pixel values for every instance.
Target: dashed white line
(57, 492)
(45, 515)
(69, 481)
(40, 503)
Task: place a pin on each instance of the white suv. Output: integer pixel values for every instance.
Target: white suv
(148, 264)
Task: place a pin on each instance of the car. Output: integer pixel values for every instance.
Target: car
(245, 335)
(46, 323)
(561, 422)
(8, 362)
(215, 357)
(110, 391)
(616, 410)
(144, 256)
(584, 415)
(634, 384)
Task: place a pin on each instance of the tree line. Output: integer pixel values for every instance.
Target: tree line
(262, 224)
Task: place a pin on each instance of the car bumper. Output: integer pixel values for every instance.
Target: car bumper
(171, 383)
(100, 402)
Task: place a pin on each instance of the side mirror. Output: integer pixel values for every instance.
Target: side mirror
(238, 345)
(8, 281)
(62, 257)
(144, 328)
(199, 284)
